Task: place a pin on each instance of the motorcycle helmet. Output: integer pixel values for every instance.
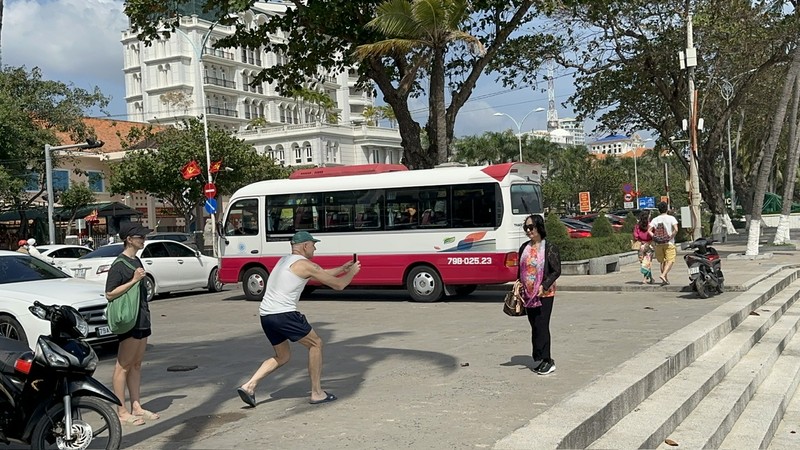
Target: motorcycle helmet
(31, 242)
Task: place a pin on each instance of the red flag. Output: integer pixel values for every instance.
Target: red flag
(190, 170)
(215, 166)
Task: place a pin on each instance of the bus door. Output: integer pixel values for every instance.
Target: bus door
(243, 230)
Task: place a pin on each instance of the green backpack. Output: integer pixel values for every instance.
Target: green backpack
(123, 311)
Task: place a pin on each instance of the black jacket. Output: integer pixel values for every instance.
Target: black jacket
(552, 266)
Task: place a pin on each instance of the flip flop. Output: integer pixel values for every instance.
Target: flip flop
(135, 421)
(149, 415)
(246, 397)
(329, 398)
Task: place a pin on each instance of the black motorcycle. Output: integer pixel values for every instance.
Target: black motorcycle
(48, 398)
(705, 268)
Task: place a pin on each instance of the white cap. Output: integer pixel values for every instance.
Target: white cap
(31, 241)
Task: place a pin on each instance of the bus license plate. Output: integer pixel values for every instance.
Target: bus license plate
(694, 270)
(103, 331)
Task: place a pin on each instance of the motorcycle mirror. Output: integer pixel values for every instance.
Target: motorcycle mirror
(38, 311)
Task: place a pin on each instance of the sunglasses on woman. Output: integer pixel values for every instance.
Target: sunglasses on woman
(528, 227)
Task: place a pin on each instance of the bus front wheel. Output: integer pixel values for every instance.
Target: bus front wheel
(254, 283)
(424, 284)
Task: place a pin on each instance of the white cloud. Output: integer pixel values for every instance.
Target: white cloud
(70, 40)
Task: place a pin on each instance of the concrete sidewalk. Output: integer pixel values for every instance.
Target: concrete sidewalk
(740, 274)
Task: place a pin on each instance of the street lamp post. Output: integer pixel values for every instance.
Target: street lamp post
(519, 126)
(48, 165)
(199, 52)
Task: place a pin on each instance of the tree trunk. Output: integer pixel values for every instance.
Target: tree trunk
(437, 118)
(769, 154)
(782, 235)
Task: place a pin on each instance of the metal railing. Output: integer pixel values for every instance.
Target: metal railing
(222, 111)
(220, 82)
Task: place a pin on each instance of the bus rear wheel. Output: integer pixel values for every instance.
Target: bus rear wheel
(254, 283)
(424, 284)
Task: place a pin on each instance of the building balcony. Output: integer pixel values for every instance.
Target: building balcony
(222, 111)
(219, 53)
(220, 82)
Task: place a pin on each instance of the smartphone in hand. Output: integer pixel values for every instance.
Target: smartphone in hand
(355, 258)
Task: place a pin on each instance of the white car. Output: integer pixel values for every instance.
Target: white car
(26, 279)
(170, 266)
(60, 254)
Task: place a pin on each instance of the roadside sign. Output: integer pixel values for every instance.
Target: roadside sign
(627, 188)
(627, 205)
(585, 200)
(628, 197)
(210, 190)
(211, 205)
(647, 202)
(665, 198)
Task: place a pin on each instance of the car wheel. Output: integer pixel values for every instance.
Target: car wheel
(10, 328)
(150, 287)
(254, 283)
(424, 284)
(214, 285)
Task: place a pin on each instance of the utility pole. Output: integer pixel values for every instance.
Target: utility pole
(689, 61)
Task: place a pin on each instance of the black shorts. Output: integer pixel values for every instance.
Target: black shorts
(289, 325)
(136, 334)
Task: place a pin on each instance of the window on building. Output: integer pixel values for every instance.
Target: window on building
(96, 181)
(32, 183)
(298, 156)
(309, 154)
(60, 180)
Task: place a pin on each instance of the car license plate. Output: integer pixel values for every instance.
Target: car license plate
(694, 270)
(79, 273)
(103, 331)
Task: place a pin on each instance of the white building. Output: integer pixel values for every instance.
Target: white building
(165, 84)
(569, 132)
(615, 144)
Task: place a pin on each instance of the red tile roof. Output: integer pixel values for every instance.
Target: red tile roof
(112, 132)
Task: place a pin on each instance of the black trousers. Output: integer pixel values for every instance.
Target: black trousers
(539, 318)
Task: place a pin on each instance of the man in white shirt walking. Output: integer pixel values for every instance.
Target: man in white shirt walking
(663, 229)
(281, 321)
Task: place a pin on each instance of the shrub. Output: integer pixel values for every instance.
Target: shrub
(556, 231)
(630, 222)
(602, 227)
(579, 249)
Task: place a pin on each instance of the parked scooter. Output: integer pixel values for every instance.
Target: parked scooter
(48, 397)
(705, 268)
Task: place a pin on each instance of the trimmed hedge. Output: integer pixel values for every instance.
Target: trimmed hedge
(601, 227)
(630, 222)
(556, 231)
(578, 249)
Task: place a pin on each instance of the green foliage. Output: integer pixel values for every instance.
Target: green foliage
(601, 227)
(157, 170)
(630, 223)
(74, 198)
(556, 231)
(579, 249)
(318, 37)
(32, 110)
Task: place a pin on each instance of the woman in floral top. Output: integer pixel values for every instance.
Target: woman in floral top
(539, 267)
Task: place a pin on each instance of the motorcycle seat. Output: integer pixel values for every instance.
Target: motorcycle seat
(10, 351)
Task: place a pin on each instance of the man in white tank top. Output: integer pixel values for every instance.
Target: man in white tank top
(281, 321)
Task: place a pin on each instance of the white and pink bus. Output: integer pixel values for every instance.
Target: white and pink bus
(435, 232)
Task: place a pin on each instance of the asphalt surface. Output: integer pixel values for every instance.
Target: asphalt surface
(453, 374)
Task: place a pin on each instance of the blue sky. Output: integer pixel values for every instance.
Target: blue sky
(78, 41)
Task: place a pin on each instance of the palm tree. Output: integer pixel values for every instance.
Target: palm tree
(423, 29)
(387, 112)
(769, 154)
(371, 115)
(790, 176)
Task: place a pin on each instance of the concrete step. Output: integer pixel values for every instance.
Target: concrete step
(760, 419)
(711, 421)
(788, 433)
(582, 418)
(650, 422)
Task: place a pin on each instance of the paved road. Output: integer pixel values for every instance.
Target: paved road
(399, 368)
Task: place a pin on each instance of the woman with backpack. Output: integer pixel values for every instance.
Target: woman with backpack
(663, 230)
(641, 235)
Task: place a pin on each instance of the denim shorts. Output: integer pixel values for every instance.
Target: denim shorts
(289, 325)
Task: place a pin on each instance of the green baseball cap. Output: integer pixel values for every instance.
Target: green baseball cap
(303, 236)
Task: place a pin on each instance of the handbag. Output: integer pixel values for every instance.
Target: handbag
(513, 305)
(123, 311)
(636, 245)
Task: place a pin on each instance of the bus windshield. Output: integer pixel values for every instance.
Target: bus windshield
(526, 199)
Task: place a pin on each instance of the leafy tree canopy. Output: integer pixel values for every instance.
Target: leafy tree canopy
(156, 169)
(315, 34)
